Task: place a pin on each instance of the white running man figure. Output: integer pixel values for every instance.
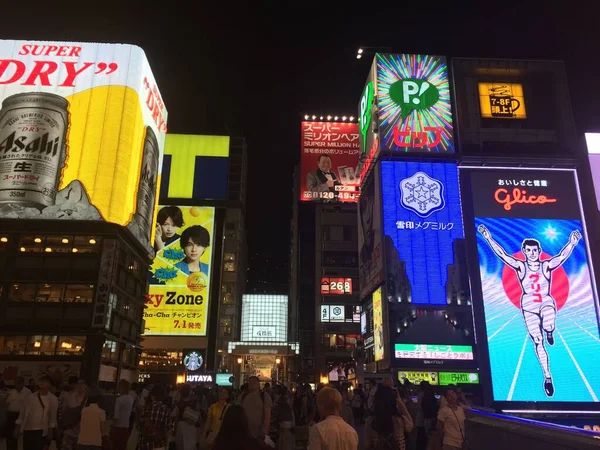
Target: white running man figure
(537, 304)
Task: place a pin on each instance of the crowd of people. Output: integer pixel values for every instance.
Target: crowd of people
(150, 417)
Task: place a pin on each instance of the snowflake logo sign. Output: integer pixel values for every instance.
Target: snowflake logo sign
(422, 194)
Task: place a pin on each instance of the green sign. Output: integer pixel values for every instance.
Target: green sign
(364, 118)
(433, 351)
(413, 93)
(447, 378)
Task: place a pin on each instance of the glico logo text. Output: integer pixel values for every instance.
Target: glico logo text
(518, 197)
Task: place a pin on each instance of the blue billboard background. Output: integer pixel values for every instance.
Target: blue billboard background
(422, 216)
(573, 359)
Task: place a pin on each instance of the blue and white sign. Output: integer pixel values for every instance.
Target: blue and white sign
(421, 220)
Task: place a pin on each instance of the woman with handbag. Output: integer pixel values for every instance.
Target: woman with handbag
(215, 416)
(70, 415)
(451, 423)
(188, 417)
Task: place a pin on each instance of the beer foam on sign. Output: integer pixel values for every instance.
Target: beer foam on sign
(115, 133)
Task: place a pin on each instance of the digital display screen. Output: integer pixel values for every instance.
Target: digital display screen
(422, 219)
(328, 162)
(447, 378)
(502, 100)
(431, 351)
(336, 286)
(539, 301)
(179, 278)
(413, 97)
(417, 377)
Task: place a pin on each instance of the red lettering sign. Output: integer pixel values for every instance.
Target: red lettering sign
(519, 196)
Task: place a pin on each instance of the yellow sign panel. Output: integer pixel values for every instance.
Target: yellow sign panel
(417, 377)
(502, 101)
(82, 130)
(378, 325)
(179, 292)
(184, 148)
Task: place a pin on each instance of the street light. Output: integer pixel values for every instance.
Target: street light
(239, 360)
(278, 360)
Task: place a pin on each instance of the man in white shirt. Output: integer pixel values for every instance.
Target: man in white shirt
(451, 422)
(15, 401)
(123, 407)
(37, 419)
(332, 433)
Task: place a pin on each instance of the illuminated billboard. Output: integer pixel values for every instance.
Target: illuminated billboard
(193, 360)
(447, 378)
(501, 100)
(328, 162)
(414, 108)
(336, 286)
(370, 253)
(592, 141)
(422, 219)
(82, 130)
(340, 313)
(538, 294)
(179, 278)
(195, 166)
(378, 331)
(264, 318)
(432, 351)
(417, 378)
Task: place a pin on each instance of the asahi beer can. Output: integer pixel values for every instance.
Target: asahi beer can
(33, 133)
(146, 195)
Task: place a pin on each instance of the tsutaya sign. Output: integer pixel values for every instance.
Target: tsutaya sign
(405, 107)
(203, 378)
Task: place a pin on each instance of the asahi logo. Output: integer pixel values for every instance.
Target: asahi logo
(41, 144)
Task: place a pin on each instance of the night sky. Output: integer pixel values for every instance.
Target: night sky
(256, 71)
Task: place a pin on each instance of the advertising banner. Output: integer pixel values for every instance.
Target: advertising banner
(193, 360)
(422, 219)
(330, 153)
(417, 377)
(82, 130)
(378, 331)
(539, 297)
(502, 100)
(447, 378)
(414, 108)
(370, 254)
(593, 145)
(179, 278)
(195, 166)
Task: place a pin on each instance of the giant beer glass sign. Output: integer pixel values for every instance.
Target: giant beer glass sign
(82, 129)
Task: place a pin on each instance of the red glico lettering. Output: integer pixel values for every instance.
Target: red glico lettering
(519, 196)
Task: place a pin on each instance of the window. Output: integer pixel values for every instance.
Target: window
(13, 345)
(41, 345)
(22, 292)
(48, 293)
(228, 294)
(329, 340)
(4, 242)
(225, 327)
(87, 244)
(229, 262)
(59, 244)
(71, 345)
(109, 350)
(79, 293)
(334, 233)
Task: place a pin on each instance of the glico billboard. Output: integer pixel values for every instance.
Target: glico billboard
(405, 107)
(179, 292)
(328, 162)
(82, 129)
(537, 284)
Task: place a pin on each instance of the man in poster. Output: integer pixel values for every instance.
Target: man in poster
(323, 179)
(537, 304)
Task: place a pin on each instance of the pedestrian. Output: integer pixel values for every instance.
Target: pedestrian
(188, 416)
(257, 405)
(216, 412)
(119, 433)
(358, 404)
(235, 433)
(37, 420)
(15, 402)
(32, 385)
(451, 422)
(332, 433)
(155, 421)
(286, 419)
(390, 420)
(69, 416)
(92, 423)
